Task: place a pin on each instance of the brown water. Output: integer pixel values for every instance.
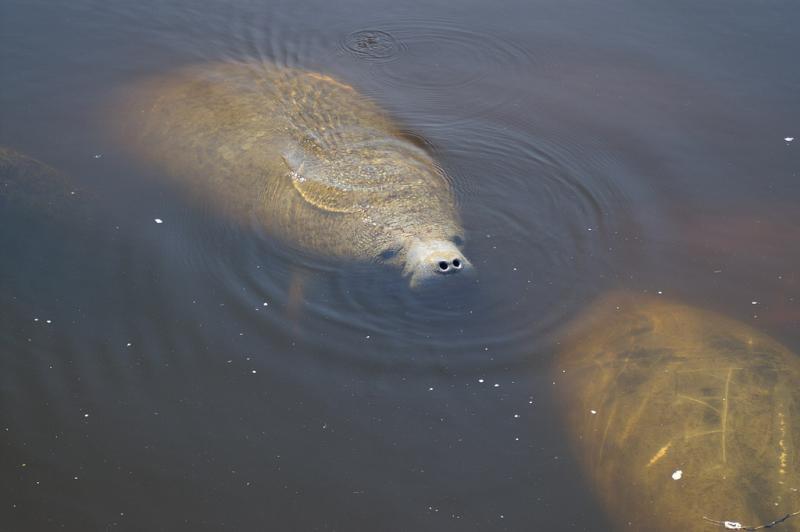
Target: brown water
(592, 145)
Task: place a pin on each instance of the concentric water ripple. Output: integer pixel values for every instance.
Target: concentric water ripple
(542, 220)
(422, 62)
(373, 45)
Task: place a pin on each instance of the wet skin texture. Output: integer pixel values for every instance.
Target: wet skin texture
(318, 164)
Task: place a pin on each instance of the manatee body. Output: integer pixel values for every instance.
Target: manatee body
(49, 236)
(683, 419)
(33, 188)
(315, 162)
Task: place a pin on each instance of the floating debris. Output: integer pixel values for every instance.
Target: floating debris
(735, 525)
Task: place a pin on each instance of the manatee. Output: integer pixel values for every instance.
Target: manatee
(314, 162)
(49, 236)
(34, 188)
(682, 419)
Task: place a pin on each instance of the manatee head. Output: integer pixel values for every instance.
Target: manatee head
(427, 260)
(421, 235)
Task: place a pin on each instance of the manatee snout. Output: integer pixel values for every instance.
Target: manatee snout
(428, 261)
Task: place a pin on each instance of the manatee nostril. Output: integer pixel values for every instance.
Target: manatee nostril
(443, 265)
(456, 263)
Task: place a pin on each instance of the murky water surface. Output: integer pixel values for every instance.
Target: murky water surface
(171, 376)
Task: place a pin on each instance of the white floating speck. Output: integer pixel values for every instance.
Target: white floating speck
(48, 321)
(86, 415)
(754, 302)
(266, 304)
(480, 380)
(496, 385)
(254, 371)
(158, 221)
(128, 344)
(430, 389)
(594, 412)
(788, 139)
(677, 474)
(516, 416)
(98, 155)
(660, 292)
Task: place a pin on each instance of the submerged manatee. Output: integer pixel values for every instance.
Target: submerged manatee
(49, 237)
(31, 186)
(682, 419)
(317, 163)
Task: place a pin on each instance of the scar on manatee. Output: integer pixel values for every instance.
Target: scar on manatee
(725, 414)
(605, 433)
(328, 79)
(689, 398)
(659, 455)
(783, 458)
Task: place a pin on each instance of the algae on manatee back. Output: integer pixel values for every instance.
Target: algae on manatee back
(682, 419)
(319, 165)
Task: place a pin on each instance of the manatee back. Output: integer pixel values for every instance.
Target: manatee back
(226, 128)
(680, 414)
(319, 164)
